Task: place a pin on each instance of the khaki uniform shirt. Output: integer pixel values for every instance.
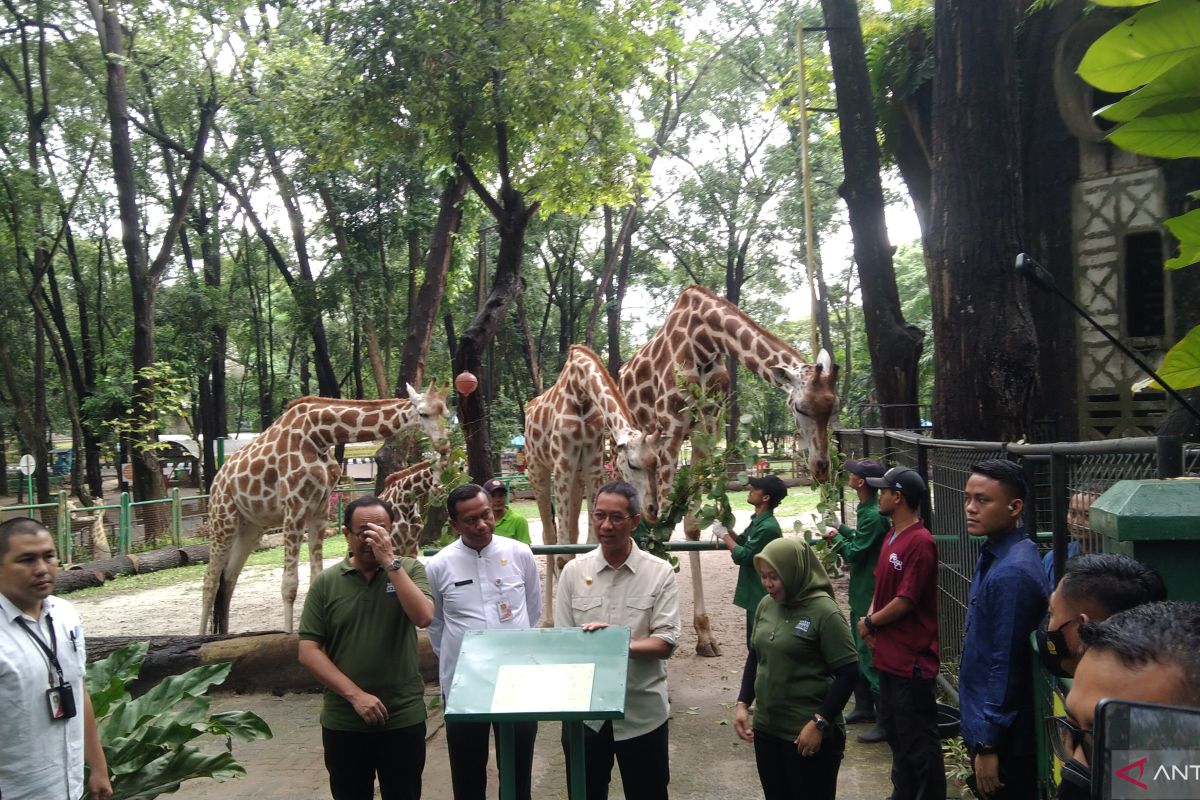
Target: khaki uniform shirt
(640, 595)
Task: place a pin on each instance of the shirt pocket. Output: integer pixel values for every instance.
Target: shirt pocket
(588, 608)
(639, 612)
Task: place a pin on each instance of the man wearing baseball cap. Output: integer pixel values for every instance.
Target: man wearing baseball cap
(765, 494)
(901, 628)
(509, 523)
(860, 548)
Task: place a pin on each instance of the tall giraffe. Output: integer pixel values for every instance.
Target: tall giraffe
(284, 478)
(408, 491)
(699, 332)
(564, 438)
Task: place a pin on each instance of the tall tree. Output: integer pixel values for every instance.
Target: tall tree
(987, 353)
(895, 344)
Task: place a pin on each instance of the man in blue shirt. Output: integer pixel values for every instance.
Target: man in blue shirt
(1008, 600)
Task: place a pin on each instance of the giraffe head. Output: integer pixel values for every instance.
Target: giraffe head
(637, 459)
(431, 414)
(812, 396)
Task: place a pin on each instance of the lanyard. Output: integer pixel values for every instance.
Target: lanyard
(52, 651)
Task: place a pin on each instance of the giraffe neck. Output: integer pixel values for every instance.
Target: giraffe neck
(333, 422)
(712, 326)
(594, 385)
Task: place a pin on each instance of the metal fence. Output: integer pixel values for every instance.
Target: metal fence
(1064, 478)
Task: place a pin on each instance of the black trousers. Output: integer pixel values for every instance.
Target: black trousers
(468, 746)
(643, 761)
(786, 775)
(908, 713)
(1018, 772)
(354, 758)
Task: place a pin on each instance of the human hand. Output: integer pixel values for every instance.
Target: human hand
(380, 541)
(829, 534)
(98, 786)
(719, 530)
(808, 743)
(370, 708)
(987, 773)
(588, 627)
(741, 723)
(862, 628)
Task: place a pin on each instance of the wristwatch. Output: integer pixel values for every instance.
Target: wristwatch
(395, 565)
(820, 722)
(870, 625)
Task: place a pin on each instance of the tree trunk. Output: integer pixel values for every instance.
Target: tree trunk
(214, 423)
(895, 346)
(986, 368)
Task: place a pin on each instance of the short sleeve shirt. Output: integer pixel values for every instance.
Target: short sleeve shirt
(641, 595)
(363, 629)
(513, 526)
(799, 647)
(908, 568)
(45, 759)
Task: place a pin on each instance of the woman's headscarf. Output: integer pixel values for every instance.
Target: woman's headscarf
(798, 567)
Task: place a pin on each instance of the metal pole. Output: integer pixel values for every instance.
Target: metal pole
(1058, 512)
(1170, 456)
(809, 239)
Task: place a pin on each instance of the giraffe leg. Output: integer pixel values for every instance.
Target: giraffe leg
(539, 481)
(224, 527)
(242, 546)
(706, 643)
(294, 531)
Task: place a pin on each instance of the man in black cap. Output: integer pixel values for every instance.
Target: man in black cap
(860, 548)
(508, 522)
(901, 628)
(765, 494)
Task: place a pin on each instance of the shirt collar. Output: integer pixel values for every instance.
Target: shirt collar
(1000, 549)
(11, 612)
(630, 561)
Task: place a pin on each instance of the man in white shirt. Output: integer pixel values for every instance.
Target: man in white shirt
(481, 581)
(48, 729)
(619, 584)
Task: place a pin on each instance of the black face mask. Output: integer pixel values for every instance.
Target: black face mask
(1052, 648)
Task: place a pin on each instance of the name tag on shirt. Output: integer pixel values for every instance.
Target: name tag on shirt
(467, 582)
(802, 627)
(391, 588)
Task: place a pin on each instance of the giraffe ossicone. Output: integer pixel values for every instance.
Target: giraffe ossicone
(284, 478)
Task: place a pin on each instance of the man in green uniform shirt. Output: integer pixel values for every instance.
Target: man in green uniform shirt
(860, 548)
(508, 522)
(358, 637)
(765, 494)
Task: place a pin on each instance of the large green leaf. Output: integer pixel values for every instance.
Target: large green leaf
(1165, 136)
(162, 698)
(1123, 3)
(166, 773)
(1181, 364)
(1185, 228)
(243, 725)
(1176, 90)
(123, 664)
(1144, 46)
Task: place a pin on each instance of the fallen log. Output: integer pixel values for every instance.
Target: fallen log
(155, 560)
(73, 580)
(262, 662)
(193, 554)
(109, 567)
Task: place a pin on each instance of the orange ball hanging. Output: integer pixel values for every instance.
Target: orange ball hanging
(466, 383)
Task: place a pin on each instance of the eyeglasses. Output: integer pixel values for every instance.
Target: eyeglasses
(1067, 739)
(616, 518)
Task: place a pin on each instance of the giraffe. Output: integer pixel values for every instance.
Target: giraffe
(408, 491)
(564, 438)
(284, 478)
(699, 332)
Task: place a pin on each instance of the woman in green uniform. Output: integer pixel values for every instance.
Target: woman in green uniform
(766, 493)
(801, 670)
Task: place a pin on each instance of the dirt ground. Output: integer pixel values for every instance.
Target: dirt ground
(707, 759)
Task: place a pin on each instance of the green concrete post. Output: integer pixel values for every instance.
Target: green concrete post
(64, 529)
(176, 517)
(1158, 523)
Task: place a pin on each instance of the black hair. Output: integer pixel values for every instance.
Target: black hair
(461, 493)
(627, 491)
(18, 526)
(1007, 473)
(366, 501)
(1166, 633)
(1114, 581)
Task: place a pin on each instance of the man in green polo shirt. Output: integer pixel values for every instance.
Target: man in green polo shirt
(508, 522)
(860, 548)
(358, 637)
(765, 494)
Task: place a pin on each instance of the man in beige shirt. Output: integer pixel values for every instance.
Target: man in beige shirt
(618, 584)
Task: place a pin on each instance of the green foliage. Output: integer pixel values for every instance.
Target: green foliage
(958, 761)
(1155, 55)
(109, 410)
(147, 740)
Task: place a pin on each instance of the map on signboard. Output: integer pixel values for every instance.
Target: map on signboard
(543, 687)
